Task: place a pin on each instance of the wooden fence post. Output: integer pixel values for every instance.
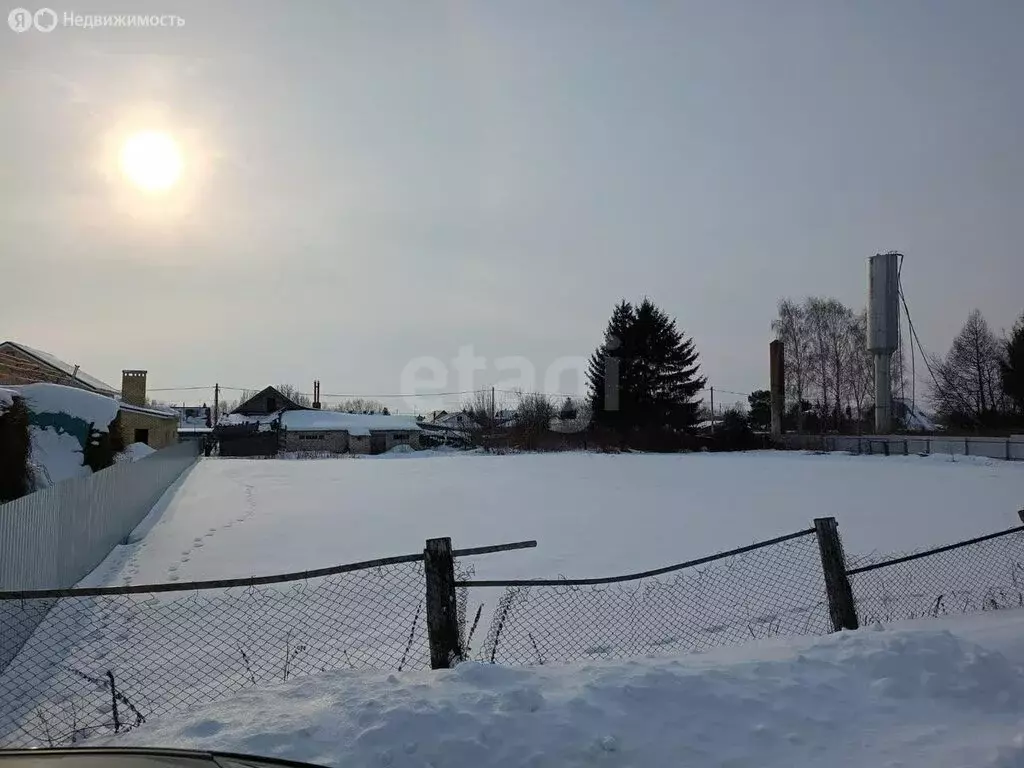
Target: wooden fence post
(837, 585)
(442, 612)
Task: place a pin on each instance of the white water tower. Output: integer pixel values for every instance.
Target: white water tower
(883, 330)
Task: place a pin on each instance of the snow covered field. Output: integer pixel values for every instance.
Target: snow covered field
(950, 693)
(594, 515)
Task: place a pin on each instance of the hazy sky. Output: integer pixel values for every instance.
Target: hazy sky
(370, 183)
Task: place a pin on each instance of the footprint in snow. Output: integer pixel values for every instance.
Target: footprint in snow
(173, 568)
(209, 534)
(173, 577)
(199, 544)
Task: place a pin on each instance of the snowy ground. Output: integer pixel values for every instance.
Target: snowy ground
(594, 515)
(948, 694)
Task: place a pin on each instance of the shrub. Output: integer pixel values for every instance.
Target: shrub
(15, 449)
(102, 447)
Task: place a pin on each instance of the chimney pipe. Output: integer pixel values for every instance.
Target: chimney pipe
(133, 387)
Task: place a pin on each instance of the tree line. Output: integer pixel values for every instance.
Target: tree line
(829, 370)
(978, 383)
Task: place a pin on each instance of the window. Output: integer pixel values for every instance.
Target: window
(271, 404)
(141, 436)
(312, 437)
(399, 436)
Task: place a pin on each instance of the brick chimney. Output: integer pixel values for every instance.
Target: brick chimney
(133, 387)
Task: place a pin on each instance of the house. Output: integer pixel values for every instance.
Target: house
(195, 422)
(335, 432)
(266, 402)
(21, 364)
(139, 422)
(454, 420)
(193, 415)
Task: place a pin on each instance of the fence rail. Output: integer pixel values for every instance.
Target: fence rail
(105, 659)
(54, 537)
(979, 574)
(769, 588)
(1007, 448)
(159, 647)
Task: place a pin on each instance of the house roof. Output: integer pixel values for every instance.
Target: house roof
(52, 361)
(287, 401)
(150, 410)
(360, 424)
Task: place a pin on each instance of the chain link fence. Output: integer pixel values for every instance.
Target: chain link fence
(771, 588)
(106, 660)
(986, 573)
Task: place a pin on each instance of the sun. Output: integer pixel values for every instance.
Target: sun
(151, 160)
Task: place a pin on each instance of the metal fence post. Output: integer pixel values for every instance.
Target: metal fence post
(837, 585)
(442, 612)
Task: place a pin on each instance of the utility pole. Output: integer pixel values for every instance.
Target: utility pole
(777, 370)
(216, 403)
(712, 409)
(492, 405)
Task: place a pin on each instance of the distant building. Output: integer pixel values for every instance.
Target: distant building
(334, 432)
(193, 415)
(454, 420)
(266, 402)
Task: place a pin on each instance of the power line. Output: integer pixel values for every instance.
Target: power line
(180, 389)
(935, 381)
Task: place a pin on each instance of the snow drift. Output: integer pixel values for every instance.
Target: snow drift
(893, 697)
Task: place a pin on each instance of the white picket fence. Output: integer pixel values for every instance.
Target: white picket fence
(1008, 448)
(52, 538)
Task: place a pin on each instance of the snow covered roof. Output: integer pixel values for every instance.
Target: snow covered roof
(55, 362)
(90, 407)
(915, 418)
(152, 410)
(358, 424)
(454, 420)
(230, 419)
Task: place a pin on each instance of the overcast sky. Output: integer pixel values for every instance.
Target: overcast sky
(370, 183)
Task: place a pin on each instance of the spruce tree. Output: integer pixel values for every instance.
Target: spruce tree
(1011, 367)
(644, 376)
